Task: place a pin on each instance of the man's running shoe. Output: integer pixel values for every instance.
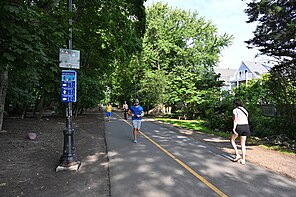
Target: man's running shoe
(135, 141)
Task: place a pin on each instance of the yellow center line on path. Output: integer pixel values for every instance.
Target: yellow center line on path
(207, 183)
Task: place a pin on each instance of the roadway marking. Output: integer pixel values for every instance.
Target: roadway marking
(207, 183)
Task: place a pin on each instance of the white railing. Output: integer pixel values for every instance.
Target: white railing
(243, 77)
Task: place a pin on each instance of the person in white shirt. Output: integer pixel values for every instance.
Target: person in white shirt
(125, 109)
(240, 128)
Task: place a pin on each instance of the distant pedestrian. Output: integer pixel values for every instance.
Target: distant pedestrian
(240, 128)
(125, 109)
(137, 112)
(109, 111)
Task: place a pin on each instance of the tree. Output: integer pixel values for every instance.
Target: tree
(275, 36)
(126, 80)
(154, 88)
(25, 44)
(283, 93)
(275, 33)
(107, 33)
(186, 48)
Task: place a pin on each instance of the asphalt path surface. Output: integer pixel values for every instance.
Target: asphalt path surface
(164, 163)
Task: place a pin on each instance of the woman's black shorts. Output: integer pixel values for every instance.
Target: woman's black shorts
(243, 130)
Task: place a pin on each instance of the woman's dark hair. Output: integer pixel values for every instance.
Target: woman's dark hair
(237, 103)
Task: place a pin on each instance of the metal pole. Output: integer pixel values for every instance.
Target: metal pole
(70, 22)
(69, 157)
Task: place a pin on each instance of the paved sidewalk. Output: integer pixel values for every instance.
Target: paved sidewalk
(278, 162)
(165, 163)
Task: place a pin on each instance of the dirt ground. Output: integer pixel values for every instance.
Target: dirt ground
(28, 167)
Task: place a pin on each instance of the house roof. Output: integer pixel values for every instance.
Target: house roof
(256, 67)
(225, 73)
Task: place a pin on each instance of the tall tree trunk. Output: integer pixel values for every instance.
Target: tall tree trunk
(3, 90)
(76, 112)
(41, 110)
(24, 114)
(81, 110)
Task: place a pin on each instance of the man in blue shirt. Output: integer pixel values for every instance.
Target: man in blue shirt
(137, 112)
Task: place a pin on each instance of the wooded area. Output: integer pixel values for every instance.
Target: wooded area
(161, 55)
(107, 33)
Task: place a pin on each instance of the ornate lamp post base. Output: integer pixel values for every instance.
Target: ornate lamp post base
(72, 168)
(68, 160)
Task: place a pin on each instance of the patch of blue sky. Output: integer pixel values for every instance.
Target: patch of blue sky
(229, 17)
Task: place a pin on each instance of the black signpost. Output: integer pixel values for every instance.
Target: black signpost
(69, 158)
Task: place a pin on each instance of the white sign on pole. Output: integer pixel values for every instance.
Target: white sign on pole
(69, 58)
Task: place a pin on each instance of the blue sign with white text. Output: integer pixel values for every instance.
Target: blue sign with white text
(69, 83)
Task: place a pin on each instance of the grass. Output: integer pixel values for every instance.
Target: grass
(279, 149)
(199, 125)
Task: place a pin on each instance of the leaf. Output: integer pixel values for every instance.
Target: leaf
(9, 57)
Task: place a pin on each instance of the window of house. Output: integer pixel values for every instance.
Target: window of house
(257, 73)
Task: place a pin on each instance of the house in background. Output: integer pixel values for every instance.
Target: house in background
(249, 70)
(225, 75)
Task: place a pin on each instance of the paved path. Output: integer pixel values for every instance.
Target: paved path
(164, 163)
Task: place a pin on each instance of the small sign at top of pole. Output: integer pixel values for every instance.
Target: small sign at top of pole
(69, 59)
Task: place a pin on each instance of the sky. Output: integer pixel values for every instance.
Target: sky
(229, 17)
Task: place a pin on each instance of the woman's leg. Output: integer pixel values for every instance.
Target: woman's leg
(244, 150)
(232, 140)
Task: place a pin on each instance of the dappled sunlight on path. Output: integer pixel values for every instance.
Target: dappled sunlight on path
(278, 162)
